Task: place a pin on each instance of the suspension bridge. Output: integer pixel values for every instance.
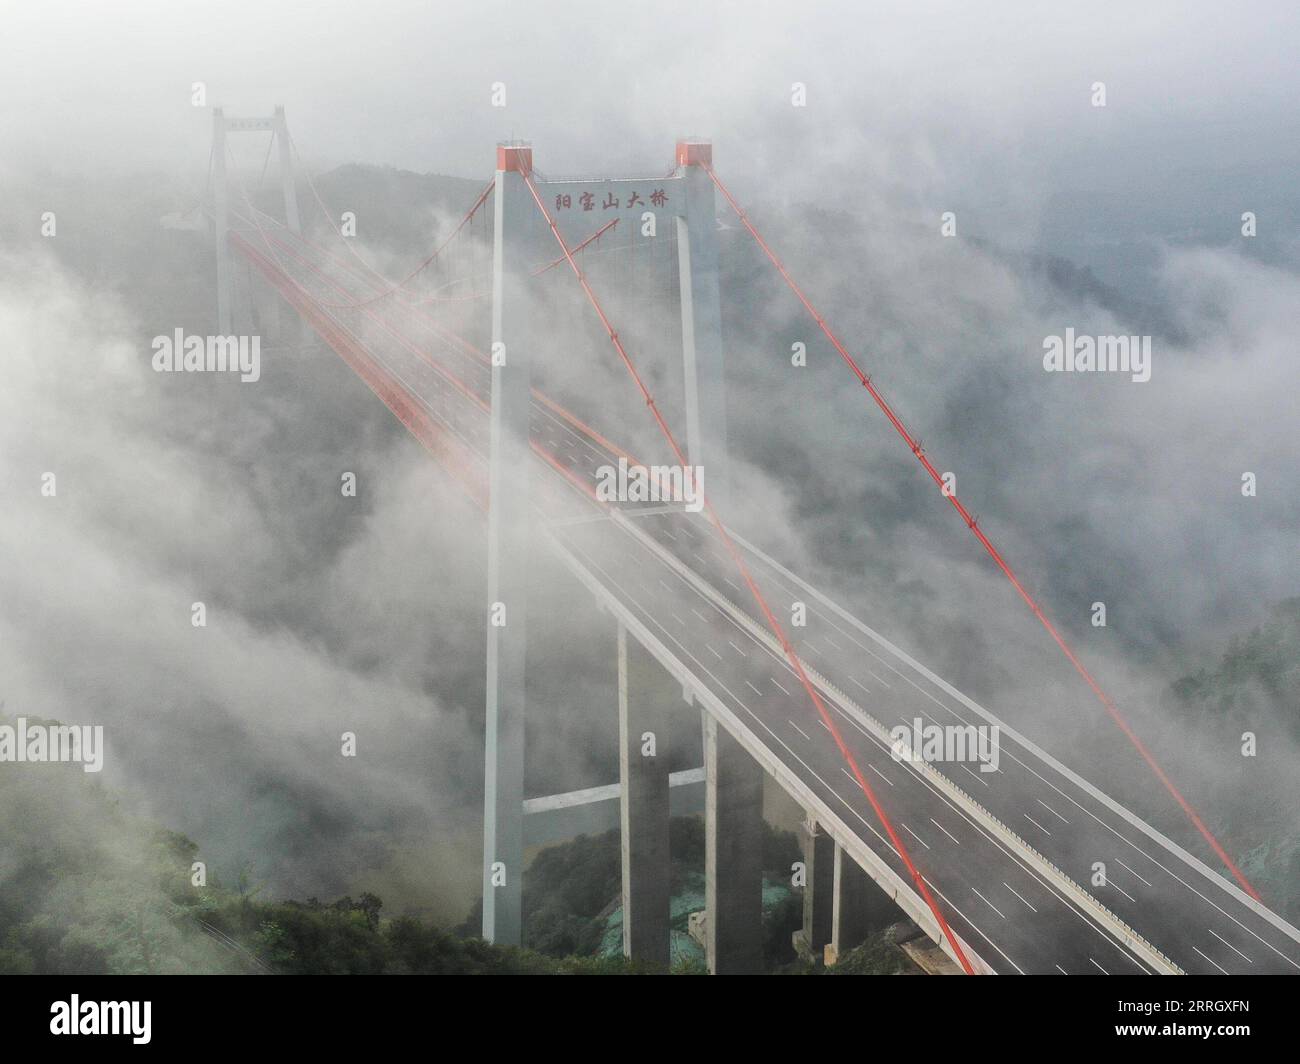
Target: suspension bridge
(998, 867)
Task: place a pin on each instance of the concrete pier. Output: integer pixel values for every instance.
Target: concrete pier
(646, 697)
(733, 855)
(818, 850)
(850, 909)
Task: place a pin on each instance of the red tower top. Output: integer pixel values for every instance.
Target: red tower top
(515, 158)
(694, 152)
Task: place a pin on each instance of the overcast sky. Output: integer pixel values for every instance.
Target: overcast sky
(608, 85)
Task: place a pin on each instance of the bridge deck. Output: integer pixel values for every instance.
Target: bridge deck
(995, 847)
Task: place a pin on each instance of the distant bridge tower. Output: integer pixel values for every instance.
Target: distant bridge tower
(221, 127)
(521, 239)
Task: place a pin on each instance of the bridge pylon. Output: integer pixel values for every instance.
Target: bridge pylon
(222, 126)
(509, 544)
(683, 198)
(701, 306)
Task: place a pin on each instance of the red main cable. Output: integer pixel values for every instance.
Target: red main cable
(973, 524)
(772, 622)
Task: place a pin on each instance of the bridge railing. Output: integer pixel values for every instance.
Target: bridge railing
(1119, 927)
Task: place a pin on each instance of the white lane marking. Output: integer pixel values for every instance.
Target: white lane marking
(737, 649)
(859, 816)
(854, 723)
(974, 925)
(778, 683)
(754, 689)
(785, 665)
(1051, 810)
(812, 772)
(989, 903)
(832, 642)
(1213, 961)
(665, 586)
(699, 615)
(1017, 894)
(859, 683)
(1126, 894)
(1229, 945)
(880, 774)
(1037, 825)
(915, 835)
(799, 730)
(713, 652)
(778, 582)
(569, 429)
(887, 685)
(1069, 798)
(732, 583)
(696, 556)
(1129, 870)
(667, 533)
(1100, 968)
(1061, 970)
(784, 745)
(809, 644)
(1164, 868)
(678, 620)
(975, 774)
(945, 831)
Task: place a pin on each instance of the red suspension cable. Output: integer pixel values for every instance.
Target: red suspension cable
(973, 524)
